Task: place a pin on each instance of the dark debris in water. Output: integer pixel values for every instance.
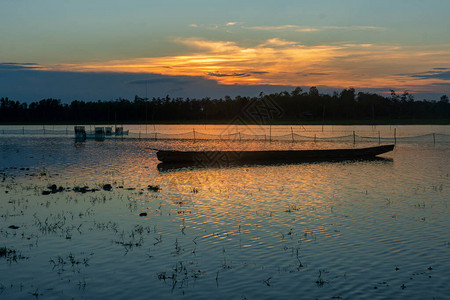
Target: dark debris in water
(14, 227)
(107, 187)
(154, 188)
(53, 189)
(83, 189)
(143, 214)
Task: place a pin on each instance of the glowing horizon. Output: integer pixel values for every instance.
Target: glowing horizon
(283, 62)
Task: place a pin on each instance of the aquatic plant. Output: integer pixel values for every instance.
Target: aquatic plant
(320, 281)
(11, 254)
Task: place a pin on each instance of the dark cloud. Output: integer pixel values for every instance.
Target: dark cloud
(29, 85)
(312, 74)
(438, 73)
(176, 90)
(229, 75)
(441, 84)
(259, 72)
(18, 66)
(159, 81)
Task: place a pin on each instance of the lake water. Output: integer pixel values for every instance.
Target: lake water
(344, 230)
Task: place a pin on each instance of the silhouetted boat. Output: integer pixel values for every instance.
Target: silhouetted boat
(229, 157)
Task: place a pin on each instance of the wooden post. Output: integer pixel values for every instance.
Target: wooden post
(395, 135)
(193, 130)
(354, 138)
(323, 116)
(434, 138)
(292, 133)
(270, 133)
(314, 137)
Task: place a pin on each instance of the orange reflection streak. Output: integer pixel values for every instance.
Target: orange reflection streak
(281, 62)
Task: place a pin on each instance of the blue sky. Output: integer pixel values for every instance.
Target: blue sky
(225, 47)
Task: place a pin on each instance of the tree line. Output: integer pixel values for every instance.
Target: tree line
(297, 105)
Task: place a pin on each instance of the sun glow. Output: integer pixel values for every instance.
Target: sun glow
(281, 62)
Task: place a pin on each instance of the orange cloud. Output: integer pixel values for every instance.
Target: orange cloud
(281, 62)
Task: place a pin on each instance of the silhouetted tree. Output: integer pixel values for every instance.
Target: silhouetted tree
(297, 105)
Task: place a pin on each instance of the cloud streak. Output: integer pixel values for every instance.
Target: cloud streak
(287, 27)
(19, 66)
(310, 28)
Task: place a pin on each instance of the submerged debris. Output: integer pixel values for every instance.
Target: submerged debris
(107, 187)
(154, 188)
(83, 189)
(53, 189)
(143, 214)
(14, 227)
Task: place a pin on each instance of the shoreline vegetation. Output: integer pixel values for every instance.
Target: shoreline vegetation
(297, 107)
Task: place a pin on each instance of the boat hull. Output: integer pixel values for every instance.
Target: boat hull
(226, 157)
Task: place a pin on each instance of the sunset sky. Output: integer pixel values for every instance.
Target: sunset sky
(90, 50)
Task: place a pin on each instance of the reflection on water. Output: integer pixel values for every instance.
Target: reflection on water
(373, 229)
(166, 167)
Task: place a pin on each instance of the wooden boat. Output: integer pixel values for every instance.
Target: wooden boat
(279, 156)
